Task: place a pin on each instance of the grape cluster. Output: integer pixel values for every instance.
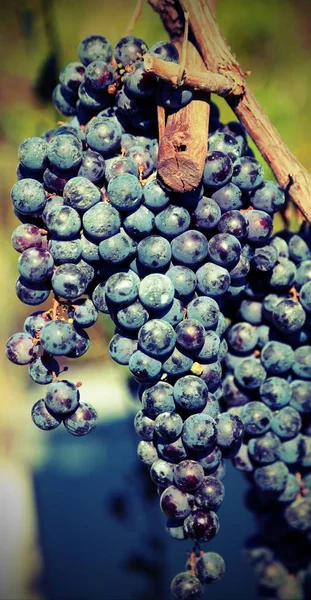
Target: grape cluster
(99, 232)
(267, 382)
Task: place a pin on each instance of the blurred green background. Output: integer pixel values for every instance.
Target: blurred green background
(37, 38)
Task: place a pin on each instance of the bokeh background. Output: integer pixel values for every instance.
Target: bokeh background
(79, 519)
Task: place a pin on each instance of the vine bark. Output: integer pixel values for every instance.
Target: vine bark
(291, 176)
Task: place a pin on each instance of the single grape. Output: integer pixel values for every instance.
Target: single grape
(301, 395)
(156, 198)
(28, 197)
(213, 280)
(188, 476)
(228, 197)
(277, 357)
(272, 477)
(172, 221)
(206, 215)
(82, 421)
(162, 472)
(256, 418)
(210, 567)
(177, 363)
(210, 494)
(200, 432)
(65, 151)
(165, 51)
(154, 252)
(58, 338)
(156, 338)
(30, 293)
(230, 432)
(144, 368)
(121, 348)
(122, 288)
(43, 369)
(190, 248)
(20, 349)
(242, 337)
(268, 197)
(190, 335)
(129, 49)
(298, 249)
(201, 525)
(275, 392)
(174, 98)
(286, 422)
(147, 452)
(103, 134)
(186, 586)
(190, 393)
(125, 192)
(80, 193)
(250, 373)
(265, 449)
(218, 169)
(168, 426)
(175, 503)
(32, 153)
(156, 291)
(172, 451)
(44, 419)
(260, 226)
(158, 399)
(247, 174)
(94, 47)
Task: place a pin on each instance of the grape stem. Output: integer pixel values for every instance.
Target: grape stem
(134, 18)
(204, 81)
(291, 176)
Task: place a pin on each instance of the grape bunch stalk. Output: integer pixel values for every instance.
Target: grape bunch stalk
(172, 270)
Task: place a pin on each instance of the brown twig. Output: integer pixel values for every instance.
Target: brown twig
(134, 18)
(183, 147)
(204, 81)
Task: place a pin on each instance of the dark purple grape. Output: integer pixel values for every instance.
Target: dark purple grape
(211, 493)
(233, 222)
(175, 503)
(129, 50)
(82, 421)
(168, 426)
(26, 236)
(188, 475)
(190, 335)
(201, 525)
(218, 169)
(260, 226)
